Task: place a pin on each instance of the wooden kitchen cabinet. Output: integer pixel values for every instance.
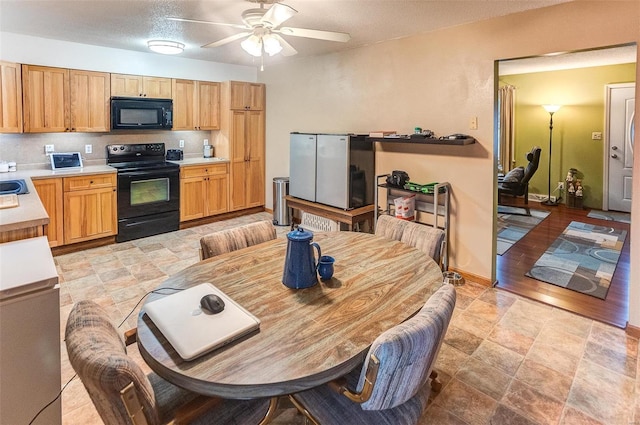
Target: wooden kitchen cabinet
(246, 138)
(203, 191)
(140, 86)
(246, 96)
(196, 105)
(10, 97)
(89, 207)
(59, 100)
(90, 97)
(45, 99)
(50, 194)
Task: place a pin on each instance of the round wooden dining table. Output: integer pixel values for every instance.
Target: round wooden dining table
(307, 337)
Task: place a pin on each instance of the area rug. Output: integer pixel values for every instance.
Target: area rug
(513, 226)
(583, 258)
(622, 217)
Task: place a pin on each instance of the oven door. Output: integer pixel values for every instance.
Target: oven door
(148, 192)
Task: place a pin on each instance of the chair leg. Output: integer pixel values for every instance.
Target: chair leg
(526, 195)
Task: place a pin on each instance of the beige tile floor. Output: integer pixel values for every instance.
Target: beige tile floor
(505, 359)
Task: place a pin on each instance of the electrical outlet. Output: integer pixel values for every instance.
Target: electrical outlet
(88, 148)
(206, 141)
(48, 149)
(473, 123)
(561, 185)
(182, 143)
(596, 135)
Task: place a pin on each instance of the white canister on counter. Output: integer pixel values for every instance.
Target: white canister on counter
(12, 166)
(208, 151)
(4, 167)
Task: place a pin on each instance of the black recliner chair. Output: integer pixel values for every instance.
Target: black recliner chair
(516, 181)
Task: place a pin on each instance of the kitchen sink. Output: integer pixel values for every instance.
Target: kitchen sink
(17, 187)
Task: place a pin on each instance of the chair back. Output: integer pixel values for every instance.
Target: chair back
(98, 355)
(236, 238)
(427, 239)
(408, 351)
(534, 159)
(390, 227)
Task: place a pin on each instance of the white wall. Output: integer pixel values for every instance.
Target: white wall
(41, 51)
(438, 81)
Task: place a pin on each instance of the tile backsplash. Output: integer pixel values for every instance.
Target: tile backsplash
(28, 150)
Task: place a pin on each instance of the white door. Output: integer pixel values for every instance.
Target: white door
(620, 144)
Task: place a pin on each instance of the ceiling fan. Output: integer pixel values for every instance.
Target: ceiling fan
(263, 32)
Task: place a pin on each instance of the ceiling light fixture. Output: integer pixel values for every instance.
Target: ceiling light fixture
(165, 47)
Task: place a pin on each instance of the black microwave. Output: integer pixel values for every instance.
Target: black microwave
(132, 113)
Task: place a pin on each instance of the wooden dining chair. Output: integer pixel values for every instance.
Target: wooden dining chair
(124, 395)
(430, 240)
(236, 238)
(393, 385)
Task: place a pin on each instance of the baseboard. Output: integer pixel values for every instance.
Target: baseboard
(633, 331)
(470, 277)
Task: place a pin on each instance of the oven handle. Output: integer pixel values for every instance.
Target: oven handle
(149, 173)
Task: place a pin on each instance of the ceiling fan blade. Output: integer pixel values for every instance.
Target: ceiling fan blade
(287, 49)
(277, 14)
(320, 35)
(227, 40)
(198, 21)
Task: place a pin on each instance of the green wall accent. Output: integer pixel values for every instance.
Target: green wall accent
(581, 92)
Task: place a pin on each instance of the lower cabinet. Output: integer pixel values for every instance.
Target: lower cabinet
(90, 210)
(204, 191)
(50, 194)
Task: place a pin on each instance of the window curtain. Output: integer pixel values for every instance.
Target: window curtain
(506, 107)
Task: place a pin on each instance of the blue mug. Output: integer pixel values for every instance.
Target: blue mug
(325, 267)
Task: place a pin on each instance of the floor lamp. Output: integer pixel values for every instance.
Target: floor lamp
(551, 109)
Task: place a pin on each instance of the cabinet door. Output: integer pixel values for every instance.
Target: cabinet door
(208, 106)
(90, 93)
(89, 214)
(239, 154)
(217, 194)
(50, 194)
(184, 104)
(237, 98)
(45, 99)
(126, 85)
(157, 87)
(246, 96)
(256, 96)
(192, 198)
(255, 158)
(10, 98)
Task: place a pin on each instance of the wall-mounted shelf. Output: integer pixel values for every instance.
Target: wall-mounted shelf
(423, 140)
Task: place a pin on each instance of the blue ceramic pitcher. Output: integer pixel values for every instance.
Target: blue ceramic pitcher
(299, 263)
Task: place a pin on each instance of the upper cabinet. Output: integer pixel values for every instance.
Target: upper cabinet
(196, 105)
(10, 98)
(140, 86)
(59, 100)
(89, 100)
(246, 96)
(45, 99)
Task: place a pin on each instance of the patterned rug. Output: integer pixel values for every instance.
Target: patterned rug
(583, 259)
(622, 217)
(513, 225)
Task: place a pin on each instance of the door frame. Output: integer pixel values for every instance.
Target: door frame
(607, 142)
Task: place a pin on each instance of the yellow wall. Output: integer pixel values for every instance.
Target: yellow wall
(437, 80)
(582, 96)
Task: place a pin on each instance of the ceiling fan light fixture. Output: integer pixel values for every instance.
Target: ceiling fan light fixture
(252, 45)
(271, 45)
(165, 47)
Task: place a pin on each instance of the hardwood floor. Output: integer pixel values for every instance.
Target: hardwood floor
(512, 266)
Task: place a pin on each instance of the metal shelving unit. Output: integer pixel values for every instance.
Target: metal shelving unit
(436, 204)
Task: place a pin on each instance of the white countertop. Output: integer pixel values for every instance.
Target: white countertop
(26, 266)
(200, 161)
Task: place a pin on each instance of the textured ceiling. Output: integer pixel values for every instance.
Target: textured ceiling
(129, 24)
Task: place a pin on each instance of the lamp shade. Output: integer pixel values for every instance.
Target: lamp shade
(252, 45)
(271, 44)
(551, 108)
(165, 47)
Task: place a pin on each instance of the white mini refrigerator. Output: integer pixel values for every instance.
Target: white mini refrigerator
(29, 333)
(332, 169)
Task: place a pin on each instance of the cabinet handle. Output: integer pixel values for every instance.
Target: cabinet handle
(90, 181)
